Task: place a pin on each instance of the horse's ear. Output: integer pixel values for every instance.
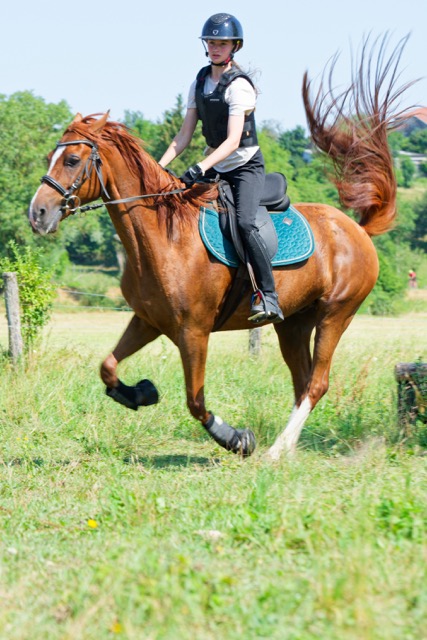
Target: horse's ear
(77, 118)
(97, 125)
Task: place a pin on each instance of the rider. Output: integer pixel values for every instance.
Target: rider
(223, 97)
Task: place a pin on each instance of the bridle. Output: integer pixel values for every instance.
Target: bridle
(71, 201)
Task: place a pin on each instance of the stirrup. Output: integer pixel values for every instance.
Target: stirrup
(265, 308)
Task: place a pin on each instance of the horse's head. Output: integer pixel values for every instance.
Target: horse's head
(74, 176)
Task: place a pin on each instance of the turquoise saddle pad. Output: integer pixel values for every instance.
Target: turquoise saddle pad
(295, 237)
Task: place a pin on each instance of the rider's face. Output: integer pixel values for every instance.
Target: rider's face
(219, 50)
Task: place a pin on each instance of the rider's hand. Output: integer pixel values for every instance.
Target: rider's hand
(192, 174)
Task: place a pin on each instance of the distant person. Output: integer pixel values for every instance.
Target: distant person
(223, 97)
(412, 279)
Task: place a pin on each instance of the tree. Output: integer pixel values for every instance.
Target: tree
(148, 131)
(420, 232)
(90, 239)
(169, 127)
(417, 141)
(28, 131)
(276, 158)
(397, 142)
(296, 142)
(407, 169)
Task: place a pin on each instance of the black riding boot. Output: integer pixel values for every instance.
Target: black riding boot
(264, 304)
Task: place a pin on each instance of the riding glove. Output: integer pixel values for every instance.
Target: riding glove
(192, 175)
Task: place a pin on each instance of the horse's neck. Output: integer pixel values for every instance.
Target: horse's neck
(143, 236)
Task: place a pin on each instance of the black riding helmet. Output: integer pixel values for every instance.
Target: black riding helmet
(223, 26)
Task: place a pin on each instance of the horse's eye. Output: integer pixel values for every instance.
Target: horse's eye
(72, 160)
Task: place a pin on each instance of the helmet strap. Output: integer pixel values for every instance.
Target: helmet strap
(223, 64)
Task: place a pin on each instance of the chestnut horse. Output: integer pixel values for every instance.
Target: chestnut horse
(176, 288)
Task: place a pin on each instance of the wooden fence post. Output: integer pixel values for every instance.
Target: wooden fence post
(11, 296)
(255, 341)
(411, 392)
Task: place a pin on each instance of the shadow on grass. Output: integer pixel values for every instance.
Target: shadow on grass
(171, 461)
(36, 462)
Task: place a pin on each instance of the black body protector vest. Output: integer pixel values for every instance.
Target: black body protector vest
(213, 110)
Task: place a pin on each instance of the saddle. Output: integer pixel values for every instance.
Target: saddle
(274, 198)
(285, 231)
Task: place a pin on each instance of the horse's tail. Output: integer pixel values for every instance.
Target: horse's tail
(351, 128)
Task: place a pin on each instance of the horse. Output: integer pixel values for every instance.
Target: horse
(177, 289)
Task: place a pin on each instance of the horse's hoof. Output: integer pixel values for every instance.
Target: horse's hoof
(247, 442)
(147, 393)
(142, 394)
(272, 455)
(240, 441)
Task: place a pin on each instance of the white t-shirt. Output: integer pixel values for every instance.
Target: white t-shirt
(241, 99)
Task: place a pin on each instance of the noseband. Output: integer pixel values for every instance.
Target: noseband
(71, 201)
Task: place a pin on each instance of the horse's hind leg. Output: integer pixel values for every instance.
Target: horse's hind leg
(329, 329)
(193, 346)
(294, 335)
(137, 334)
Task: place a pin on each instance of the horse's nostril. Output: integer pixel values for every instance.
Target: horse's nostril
(42, 212)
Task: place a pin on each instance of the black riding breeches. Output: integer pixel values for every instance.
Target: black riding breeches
(247, 183)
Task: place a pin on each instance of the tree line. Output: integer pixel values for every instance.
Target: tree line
(30, 127)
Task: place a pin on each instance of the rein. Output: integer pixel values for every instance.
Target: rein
(71, 202)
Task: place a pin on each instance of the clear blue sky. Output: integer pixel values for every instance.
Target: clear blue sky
(140, 55)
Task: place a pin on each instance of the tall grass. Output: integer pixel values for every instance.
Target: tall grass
(136, 525)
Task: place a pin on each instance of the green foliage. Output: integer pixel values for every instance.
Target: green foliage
(419, 237)
(417, 141)
(397, 142)
(36, 291)
(392, 278)
(407, 171)
(171, 124)
(148, 131)
(296, 142)
(28, 131)
(275, 157)
(93, 287)
(311, 182)
(90, 239)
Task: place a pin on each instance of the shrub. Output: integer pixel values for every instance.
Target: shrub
(36, 291)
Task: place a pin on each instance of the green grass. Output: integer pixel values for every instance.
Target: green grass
(118, 524)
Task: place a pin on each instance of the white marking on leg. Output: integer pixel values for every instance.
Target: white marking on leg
(288, 439)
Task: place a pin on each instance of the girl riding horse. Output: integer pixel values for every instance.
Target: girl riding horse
(224, 98)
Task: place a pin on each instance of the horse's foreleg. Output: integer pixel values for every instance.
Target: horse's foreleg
(137, 334)
(193, 348)
(328, 333)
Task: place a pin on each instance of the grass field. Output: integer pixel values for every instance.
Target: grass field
(118, 524)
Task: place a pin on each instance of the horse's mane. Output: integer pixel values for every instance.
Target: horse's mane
(179, 207)
(352, 127)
